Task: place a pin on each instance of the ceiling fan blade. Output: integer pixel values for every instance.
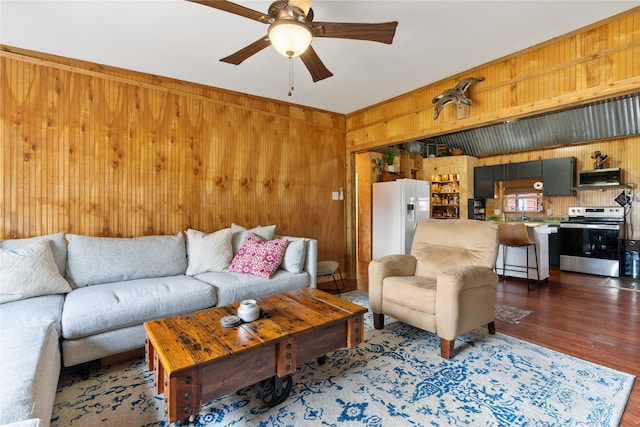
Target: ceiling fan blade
(315, 66)
(383, 32)
(236, 9)
(246, 52)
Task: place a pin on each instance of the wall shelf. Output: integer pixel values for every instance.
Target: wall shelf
(602, 187)
(445, 196)
(584, 188)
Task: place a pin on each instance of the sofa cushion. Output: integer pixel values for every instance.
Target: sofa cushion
(232, 287)
(38, 311)
(29, 371)
(294, 256)
(208, 252)
(30, 272)
(56, 241)
(240, 234)
(259, 257)
(94, 260)
(94, 309)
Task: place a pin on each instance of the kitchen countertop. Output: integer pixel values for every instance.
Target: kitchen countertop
(539, 224)
(534, 220)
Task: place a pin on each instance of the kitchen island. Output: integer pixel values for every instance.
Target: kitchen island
(517, 256)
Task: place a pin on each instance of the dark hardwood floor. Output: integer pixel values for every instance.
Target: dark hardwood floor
(573, 314)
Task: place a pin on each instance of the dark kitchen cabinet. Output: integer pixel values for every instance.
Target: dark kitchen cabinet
(499, 173)
(559, 176)
(529, 170)
(483, 182)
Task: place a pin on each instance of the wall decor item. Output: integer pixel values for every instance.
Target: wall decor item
(456, 94)
(599, 159)
(623, 199)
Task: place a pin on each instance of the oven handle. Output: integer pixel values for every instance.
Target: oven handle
(592, 226)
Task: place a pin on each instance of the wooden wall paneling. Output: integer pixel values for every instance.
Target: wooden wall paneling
(332, 210)
(363, 207)
(89, 153)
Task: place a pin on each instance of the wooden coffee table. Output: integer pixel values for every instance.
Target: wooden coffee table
(196, 360)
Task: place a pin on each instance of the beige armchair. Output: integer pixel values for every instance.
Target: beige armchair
(446, 286)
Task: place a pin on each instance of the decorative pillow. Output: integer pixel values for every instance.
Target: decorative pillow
(240, 234)
(259, 257)
(294, 256)
(208, 252)
(57, 242)
(30, 272)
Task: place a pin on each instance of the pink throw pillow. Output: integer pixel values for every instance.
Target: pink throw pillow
(259, 257)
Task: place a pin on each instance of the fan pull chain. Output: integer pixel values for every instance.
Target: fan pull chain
(290, 75)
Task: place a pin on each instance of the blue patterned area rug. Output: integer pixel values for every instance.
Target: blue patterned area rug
(395, 378)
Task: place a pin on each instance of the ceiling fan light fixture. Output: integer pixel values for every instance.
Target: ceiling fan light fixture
(289, 37)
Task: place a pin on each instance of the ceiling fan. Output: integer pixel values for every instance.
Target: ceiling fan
(291, 29)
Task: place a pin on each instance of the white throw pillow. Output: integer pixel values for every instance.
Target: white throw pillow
(30, 272)
(240, 234)
(293, 260)
(208, 252)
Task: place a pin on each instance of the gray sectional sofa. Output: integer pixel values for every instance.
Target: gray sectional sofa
(114, 285)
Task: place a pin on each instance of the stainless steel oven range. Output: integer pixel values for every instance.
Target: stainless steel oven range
(591, 239)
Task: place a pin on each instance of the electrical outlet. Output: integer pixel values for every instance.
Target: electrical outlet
(334, 195)
(549, 212)
(496, 211)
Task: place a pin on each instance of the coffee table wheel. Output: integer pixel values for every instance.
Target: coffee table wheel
(273, 391)
(322, 360)
(186, 421)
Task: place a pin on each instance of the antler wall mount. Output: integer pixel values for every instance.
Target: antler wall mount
(291, 30)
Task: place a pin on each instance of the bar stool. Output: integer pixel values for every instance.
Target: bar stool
(514, 234)
(329, 268)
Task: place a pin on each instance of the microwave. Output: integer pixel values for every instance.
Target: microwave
(600, 177)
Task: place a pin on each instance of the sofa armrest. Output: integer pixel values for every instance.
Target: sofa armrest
(310, 256)
(465, 299)
(311, 261)
(387, 266)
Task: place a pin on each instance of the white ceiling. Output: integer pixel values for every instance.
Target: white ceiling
(184, 40)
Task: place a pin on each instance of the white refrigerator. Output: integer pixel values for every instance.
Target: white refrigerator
(398, 207)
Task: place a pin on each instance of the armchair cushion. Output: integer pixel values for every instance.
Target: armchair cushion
(418, 293)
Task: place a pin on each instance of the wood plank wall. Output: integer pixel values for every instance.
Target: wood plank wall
(94, 150)
(597, 62)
